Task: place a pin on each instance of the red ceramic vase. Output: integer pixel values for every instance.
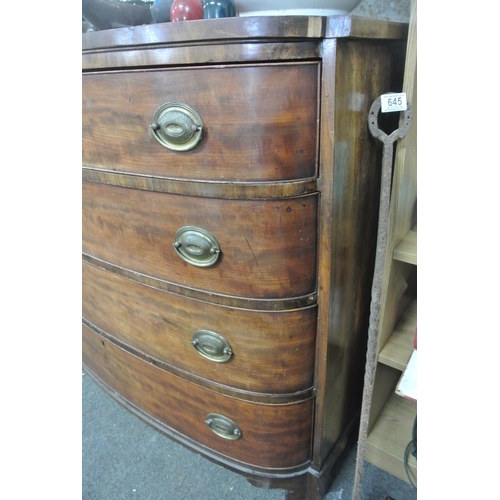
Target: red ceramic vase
(186, 10)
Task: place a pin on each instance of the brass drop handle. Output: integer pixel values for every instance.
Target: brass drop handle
(196, 246)
(223, 427)
(177, 126)
(212, 346)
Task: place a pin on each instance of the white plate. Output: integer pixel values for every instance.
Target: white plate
(295, 7)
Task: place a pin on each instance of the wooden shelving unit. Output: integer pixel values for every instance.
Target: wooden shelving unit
(398, 348)
(391, 415)
(406, 251)
(390, 436)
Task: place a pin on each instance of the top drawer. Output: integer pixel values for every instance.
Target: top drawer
(259, 122)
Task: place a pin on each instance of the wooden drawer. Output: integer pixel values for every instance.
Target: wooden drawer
(272, 435)
(260, 122)
(272, 352)
(267, 247)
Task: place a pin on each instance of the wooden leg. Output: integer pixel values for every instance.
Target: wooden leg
(295, 488)
(309, 485)
(298, 490)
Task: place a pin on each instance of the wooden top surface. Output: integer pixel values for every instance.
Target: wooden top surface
(245, 28)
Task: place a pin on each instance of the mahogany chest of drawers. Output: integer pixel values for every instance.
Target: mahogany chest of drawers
(230, 205)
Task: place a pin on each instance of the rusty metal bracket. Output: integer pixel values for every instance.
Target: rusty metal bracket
(382, 234)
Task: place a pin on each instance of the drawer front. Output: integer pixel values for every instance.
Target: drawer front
(275, 436)
(259, 122)
(269, 352)
(267, 247)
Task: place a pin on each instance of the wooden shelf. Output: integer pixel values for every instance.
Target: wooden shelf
(398, 348)
(406, 251)
(386, 443)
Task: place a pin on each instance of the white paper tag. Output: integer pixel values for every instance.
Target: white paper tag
(393, 102)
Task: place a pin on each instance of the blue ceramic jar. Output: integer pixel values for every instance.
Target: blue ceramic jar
(213, 9)
(160, 10)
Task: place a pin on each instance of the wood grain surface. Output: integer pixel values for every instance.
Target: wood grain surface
(260, 122)
(273, 436)
(268, 247)
(273, 352)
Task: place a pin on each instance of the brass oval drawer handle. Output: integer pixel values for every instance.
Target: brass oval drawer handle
(223, 426)
(212, 346)
(196, 246)
(177, 126)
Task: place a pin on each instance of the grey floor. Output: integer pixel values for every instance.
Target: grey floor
(123, 458)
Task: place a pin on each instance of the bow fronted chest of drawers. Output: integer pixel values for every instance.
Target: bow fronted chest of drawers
(230, 206)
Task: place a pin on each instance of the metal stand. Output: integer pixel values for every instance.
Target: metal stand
(384, 209)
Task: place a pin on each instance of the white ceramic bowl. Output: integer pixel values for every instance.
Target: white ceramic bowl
(295, 7)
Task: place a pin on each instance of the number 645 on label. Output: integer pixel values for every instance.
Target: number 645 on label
(393, 102)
